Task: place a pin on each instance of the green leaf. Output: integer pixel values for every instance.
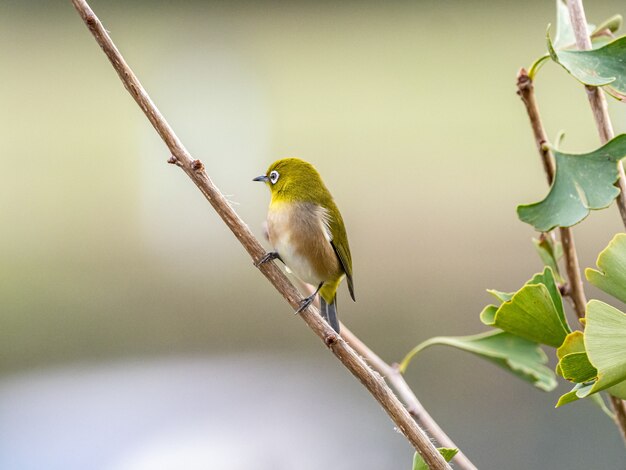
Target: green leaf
(576, 367)
(605, 343)
(618, 390)
(605, 339)
(603, 66)
(488, 315)
(611, 277)
(597, 399)
(550, 252)
(535, 312)
(565, 36)
(611, 25)
(572, 395)
(519, 356)
(573, 343)
(446, 452)
(501, 296)
(582, 182)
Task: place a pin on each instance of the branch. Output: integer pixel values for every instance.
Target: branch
(576, 292)
(620, 414)
(526, 91)
(195, 170)
(393, 376)
(597, 100)
(598, 104)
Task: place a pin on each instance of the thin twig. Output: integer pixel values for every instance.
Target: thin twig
(620, 414)
(597, 100)
(600, 110)
(195, 170)
(526, 91)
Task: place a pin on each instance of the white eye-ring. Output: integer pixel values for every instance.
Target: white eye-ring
(274, 177)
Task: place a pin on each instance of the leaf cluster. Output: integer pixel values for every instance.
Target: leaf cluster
(533, 317)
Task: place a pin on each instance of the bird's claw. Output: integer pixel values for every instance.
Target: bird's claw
(304, 303)
(269, 256)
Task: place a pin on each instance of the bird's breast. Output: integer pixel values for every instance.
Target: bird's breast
(300, 233)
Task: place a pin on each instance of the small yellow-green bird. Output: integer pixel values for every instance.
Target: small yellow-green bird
(307, 232)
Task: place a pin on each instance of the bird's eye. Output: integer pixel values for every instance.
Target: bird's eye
(274, 177)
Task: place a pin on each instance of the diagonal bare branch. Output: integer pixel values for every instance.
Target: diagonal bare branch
(195, 170)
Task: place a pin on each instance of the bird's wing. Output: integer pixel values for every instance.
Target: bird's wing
(342, 248)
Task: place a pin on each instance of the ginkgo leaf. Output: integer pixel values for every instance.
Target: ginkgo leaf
(582, 182)
(603, 66)
(519, 356)
(611, 277)
(573, 343)
(576, 367)
(534, 312)
(605, 352)
(446, 452)
(550, 252)
(565, 36)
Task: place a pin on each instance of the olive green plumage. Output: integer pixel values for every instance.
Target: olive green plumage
(307, 231)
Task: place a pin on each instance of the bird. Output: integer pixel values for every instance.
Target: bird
(307, 233)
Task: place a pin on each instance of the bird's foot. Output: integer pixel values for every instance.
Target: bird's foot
(304, 303)
(269, 256)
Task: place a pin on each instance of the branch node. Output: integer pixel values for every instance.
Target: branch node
(174, 161)
(91, 20)
(331, 340)
(197, 165)
(523, 80)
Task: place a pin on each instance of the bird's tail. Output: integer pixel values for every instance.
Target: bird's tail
(329, 312)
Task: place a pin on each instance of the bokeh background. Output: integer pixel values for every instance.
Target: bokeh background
(134, 331)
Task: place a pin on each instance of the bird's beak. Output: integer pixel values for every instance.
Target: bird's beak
(263, 178)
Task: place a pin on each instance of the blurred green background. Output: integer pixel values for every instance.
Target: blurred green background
(408, 110)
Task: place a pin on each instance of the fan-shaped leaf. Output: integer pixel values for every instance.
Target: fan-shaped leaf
(535, 312)
(550, 252)
(605, 347)
(582, 182)
(517, 355)
(611, 277)
(603, 66)
(446, 452)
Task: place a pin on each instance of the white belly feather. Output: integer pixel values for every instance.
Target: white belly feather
(286, 224)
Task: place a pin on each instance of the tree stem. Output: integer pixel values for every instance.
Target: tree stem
(599, 107)
(596, 97)
(195, 170)
(526, 91)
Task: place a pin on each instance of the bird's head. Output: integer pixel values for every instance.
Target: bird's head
(293, 179)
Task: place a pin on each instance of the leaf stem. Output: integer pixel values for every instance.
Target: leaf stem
(416, 350)
(195, 170)
(536, 65)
